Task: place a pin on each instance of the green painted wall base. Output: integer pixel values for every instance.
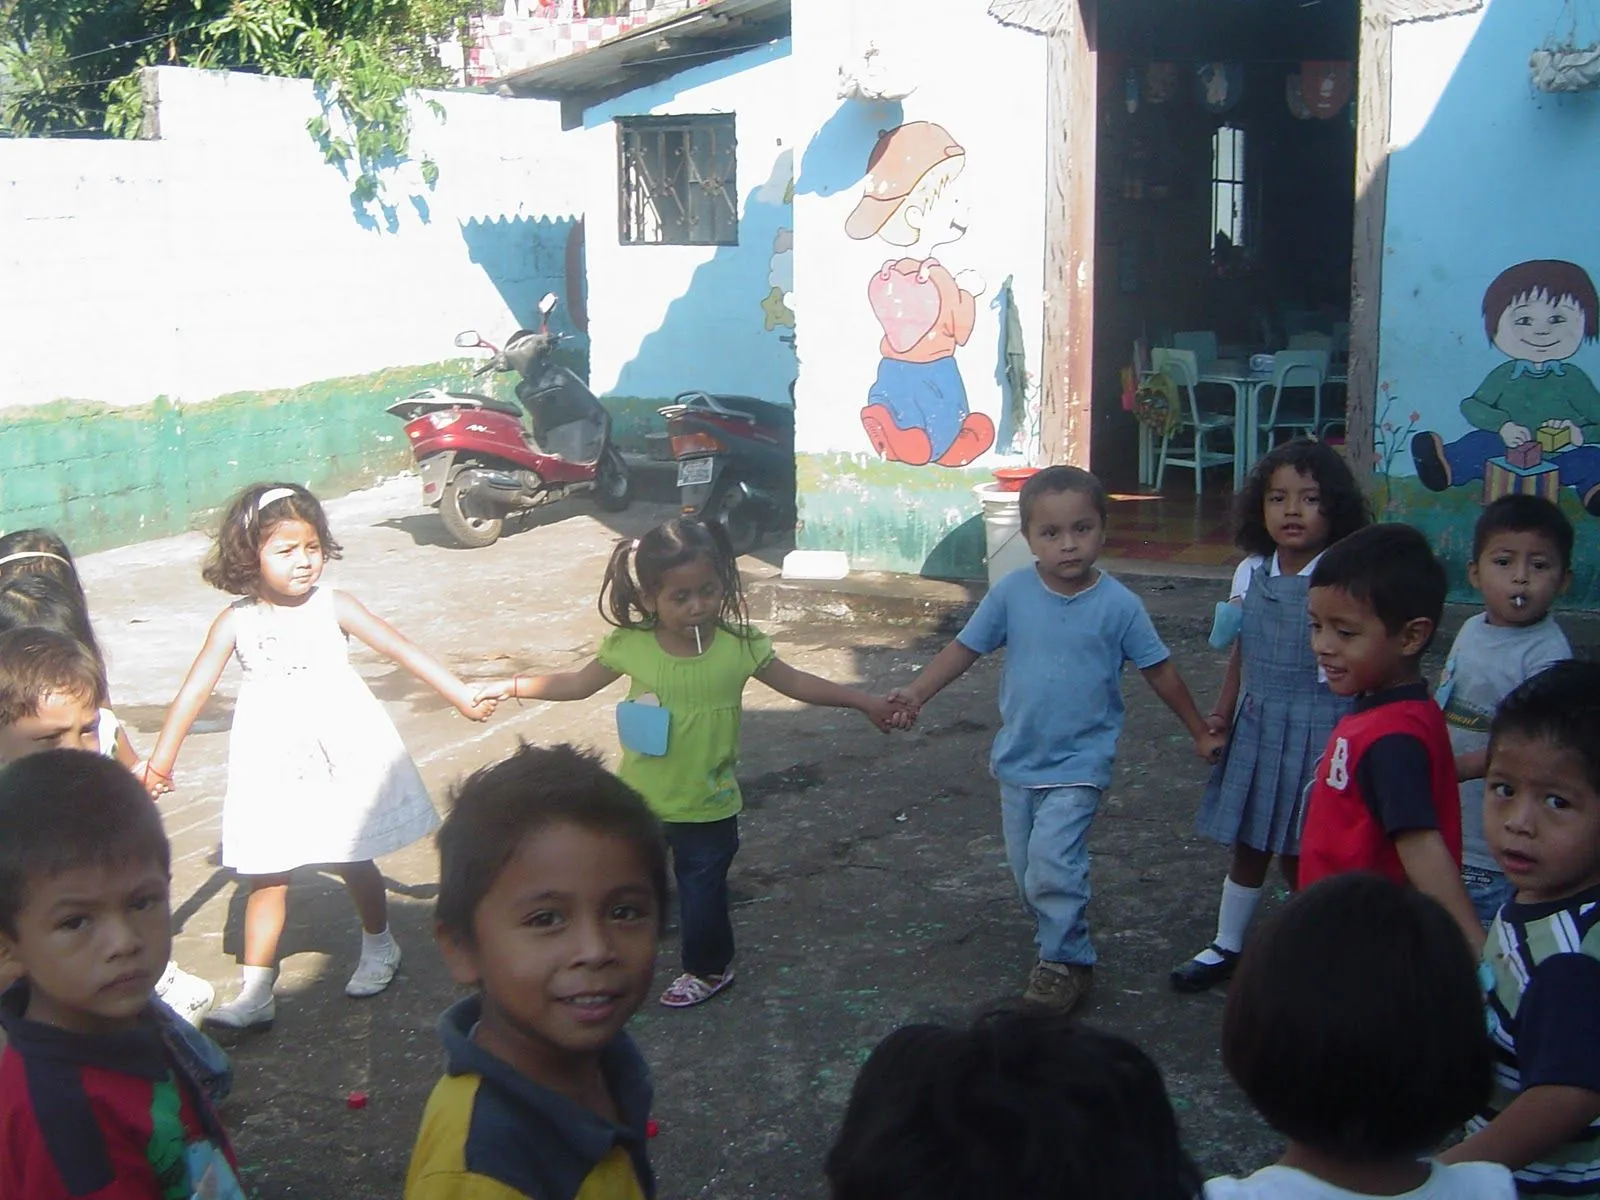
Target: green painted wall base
(891, 517)
(105, 476)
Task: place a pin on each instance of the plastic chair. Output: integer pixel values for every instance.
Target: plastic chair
(1183, 368)
(1202, 342)
(1312, 341)
(1294, 371)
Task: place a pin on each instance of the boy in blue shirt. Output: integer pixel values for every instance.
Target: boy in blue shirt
(1067, 628)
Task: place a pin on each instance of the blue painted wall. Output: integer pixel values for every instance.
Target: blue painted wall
(1487, 173)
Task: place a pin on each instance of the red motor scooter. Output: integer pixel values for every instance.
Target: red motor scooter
(481, 463)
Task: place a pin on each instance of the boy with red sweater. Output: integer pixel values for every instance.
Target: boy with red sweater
(95, 1099)
(1385, 797)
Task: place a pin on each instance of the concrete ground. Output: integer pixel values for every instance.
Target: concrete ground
(870, 890)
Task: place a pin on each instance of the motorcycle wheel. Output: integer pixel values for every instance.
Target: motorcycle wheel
(742, 522)
(613, 488)
(468, 532)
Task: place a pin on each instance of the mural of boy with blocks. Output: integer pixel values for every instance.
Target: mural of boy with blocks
(917, 410)
(1536, 415)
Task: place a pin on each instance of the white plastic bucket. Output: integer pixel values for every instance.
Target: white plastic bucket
(1006, 548)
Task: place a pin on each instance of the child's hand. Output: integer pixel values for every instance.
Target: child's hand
(476, 706)
(883, 713)
(1217, 723)
(905, 712)
(497, 689)
(1210, 744)
(154, 781)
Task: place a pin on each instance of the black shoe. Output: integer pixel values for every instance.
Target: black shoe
(1591, 502)
(1433, 470)
(1196, 976)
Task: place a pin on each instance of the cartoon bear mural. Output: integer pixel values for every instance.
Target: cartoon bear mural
(1536, 417)
(916, 410)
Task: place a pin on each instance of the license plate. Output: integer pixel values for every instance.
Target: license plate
(694, 470)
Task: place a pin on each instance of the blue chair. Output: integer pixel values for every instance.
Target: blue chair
(1296, 390)
(1191, 450)
(1201, 341)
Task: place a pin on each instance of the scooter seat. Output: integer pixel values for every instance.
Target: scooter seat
(492, 404)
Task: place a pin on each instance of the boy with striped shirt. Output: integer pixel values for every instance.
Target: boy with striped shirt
(1542, 959)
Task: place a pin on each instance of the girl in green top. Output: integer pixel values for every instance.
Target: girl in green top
(684, 641)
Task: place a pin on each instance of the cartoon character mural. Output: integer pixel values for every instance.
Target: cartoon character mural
(1535, 417)
(916, 411)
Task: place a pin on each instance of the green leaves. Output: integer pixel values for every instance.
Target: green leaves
(72, 66)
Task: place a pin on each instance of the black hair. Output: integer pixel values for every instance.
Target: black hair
(40, 552)
(46, 601)
(634, 574)
(1393, 569)
(1561, 706)
(233, 564)
(1517, 513)
(1052, 480)
(1020, 1105)
(497, 806)
(1355, 1021)
(1339, 496)
(36, 662)
(64, 809)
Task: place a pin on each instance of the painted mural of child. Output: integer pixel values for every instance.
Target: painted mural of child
(916, 410)
(1538, 314)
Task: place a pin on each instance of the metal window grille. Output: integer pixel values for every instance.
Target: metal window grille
(677, 181)
(1228, 206)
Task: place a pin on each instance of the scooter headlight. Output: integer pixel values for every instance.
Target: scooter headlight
(444, 418)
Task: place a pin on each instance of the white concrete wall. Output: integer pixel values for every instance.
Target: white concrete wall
(664, 319)
(984, 83)
(227, 256)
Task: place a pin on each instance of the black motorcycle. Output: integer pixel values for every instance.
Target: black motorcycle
(735, 458)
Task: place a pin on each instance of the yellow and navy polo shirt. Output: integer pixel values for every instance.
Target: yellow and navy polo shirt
(491, 1133)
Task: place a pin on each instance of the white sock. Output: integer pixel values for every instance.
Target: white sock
(1234, 914)
(374, 945)
(255, 986)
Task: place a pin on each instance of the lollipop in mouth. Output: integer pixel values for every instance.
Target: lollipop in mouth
(1519, 601)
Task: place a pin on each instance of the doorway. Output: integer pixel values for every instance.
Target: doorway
(1224, 219)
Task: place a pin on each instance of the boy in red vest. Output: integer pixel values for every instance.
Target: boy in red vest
(1385, 798)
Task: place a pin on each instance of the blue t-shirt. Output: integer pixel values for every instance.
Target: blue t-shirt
(1060, 692)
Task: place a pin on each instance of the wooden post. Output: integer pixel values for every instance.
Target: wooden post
(1366, 271)
(1067, 371)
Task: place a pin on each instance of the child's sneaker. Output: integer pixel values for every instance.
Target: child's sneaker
(1059, 986)
(187, 995)
(376, 969)
(688, 990)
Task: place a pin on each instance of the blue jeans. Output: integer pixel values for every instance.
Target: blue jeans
(1580, 466)
(1488, 890)
(702, 852)
(1047, 845)
(927, 396)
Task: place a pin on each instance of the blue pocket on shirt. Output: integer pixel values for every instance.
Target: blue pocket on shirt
(643, 728)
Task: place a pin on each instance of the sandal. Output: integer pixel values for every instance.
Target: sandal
(688, 990)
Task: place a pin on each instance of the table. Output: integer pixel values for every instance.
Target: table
(1246, 386)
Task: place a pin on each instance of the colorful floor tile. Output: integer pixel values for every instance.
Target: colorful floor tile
(1178, 529)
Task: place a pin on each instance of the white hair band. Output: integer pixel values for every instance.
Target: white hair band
(21, 554)
(272, 496)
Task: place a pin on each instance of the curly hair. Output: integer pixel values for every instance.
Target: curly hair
(234, 562)
(1341, 499)
(674, 544)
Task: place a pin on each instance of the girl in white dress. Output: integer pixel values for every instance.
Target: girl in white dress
(316, 770)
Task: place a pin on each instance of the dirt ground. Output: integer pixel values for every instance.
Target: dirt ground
(870, 890)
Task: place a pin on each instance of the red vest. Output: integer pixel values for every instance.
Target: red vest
(1342, 833)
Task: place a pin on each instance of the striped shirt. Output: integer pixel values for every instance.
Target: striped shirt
(1544, 1021)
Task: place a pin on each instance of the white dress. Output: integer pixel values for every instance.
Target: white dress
(316, 769)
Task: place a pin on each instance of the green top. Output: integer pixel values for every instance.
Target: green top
(1531, 400)
(694, 780)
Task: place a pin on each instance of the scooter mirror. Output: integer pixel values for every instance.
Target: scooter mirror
(548, 304)
(467, 339)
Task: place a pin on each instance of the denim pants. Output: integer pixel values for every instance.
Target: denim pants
(1047, 845)
(702, 852)
(1487, 890)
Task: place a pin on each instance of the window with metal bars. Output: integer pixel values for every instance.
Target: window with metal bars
(677, 183)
